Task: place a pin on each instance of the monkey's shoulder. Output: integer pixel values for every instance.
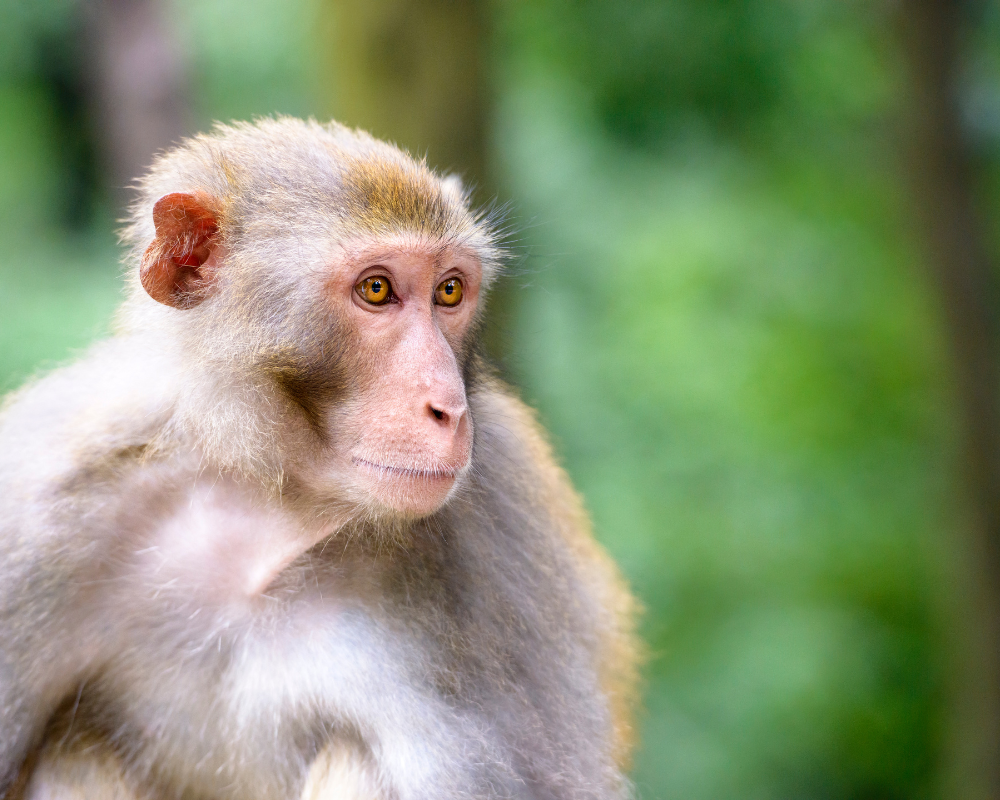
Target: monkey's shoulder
(68, 438)
(108, 400)
(514, 465)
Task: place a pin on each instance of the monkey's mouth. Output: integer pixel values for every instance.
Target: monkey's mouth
(438, 472)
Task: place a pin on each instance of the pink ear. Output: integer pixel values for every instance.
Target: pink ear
(171, 270)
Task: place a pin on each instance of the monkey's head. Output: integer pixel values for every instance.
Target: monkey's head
(320, 292)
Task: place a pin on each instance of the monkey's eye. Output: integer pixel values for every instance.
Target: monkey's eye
(449, 292)
(375, 290)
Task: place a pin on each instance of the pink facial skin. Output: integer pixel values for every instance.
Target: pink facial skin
(407, 439)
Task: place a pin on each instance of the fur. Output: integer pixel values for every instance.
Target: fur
(181, 616)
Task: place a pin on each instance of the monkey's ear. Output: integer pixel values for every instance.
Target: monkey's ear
(172, 270)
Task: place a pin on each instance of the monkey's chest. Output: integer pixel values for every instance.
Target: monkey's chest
(240, 702)
(218, 547)
(237, 658)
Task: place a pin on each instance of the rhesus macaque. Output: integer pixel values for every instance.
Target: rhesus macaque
(284, 535)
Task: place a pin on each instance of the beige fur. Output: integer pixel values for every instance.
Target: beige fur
(79, 767)
(342, 771)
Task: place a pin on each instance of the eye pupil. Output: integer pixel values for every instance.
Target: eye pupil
(375, 290)
(449, 292)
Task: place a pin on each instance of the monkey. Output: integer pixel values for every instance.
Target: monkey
(285, 533)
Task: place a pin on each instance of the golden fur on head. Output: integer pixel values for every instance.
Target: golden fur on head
(383, 196)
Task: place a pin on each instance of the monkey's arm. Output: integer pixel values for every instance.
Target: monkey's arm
(46, 642)
(513, 433)
(55, 505)
(36, 653)
(618, 652)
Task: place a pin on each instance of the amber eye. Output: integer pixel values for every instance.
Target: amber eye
(449, 292)
(375, 290)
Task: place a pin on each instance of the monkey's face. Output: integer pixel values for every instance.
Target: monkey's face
(401, 438)
(365, 343)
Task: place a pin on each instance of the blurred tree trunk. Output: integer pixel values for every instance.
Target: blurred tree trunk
(942, 180)
(137, 84)
(415, 72)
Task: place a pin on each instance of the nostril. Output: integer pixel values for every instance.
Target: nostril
(445, 415)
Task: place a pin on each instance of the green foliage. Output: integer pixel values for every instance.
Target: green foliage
(29, 182)
(731, 339)
(56, 296)
(26, 26)
(250, 58)
(652, 64)
(656, 70)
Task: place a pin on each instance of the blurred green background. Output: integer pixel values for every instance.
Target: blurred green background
(718, 301)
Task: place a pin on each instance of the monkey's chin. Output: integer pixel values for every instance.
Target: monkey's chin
(408, 491)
